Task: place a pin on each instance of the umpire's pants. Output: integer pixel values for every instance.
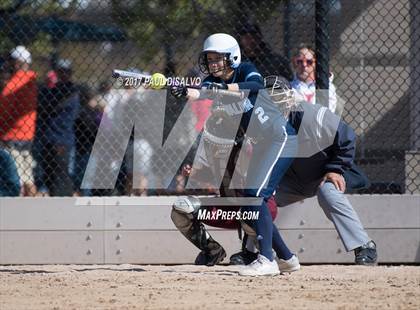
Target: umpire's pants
(335, 204)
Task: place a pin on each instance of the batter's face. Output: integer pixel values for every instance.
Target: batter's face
(216, 64)
(304, 64)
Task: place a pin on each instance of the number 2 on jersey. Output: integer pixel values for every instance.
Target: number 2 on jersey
(261, 115)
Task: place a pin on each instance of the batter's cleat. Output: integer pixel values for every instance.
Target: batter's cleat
(366, 254)
(262, 266)
(211, 257)
(290, 265)
(244, 257)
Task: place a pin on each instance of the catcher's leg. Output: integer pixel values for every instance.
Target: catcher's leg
(248, 253)
(184, 216)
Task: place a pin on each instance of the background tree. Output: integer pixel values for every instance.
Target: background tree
(166, 26)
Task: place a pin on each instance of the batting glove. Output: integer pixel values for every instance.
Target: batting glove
(179, 91)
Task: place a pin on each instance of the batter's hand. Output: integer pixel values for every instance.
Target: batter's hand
(179, 91)
(335, 178)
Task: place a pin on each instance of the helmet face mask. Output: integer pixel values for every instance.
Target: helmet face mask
(280, 92)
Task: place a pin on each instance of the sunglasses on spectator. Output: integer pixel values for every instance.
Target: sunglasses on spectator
(309, 62)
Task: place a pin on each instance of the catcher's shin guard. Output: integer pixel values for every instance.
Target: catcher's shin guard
(211, 251)
(212, 255)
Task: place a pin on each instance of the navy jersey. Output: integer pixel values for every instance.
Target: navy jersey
(264, 115)
(260, 113)
(248, 79)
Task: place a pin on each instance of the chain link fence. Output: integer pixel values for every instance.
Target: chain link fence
(57, 58)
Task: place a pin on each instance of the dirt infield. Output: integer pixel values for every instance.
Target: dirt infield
(192, 287)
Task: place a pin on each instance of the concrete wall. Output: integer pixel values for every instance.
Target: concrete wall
(139, 230)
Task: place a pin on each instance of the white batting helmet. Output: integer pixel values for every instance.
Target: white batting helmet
(221, 43)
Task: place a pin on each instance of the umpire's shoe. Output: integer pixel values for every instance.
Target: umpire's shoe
(244, 257)
(212, 255)
(366, 254)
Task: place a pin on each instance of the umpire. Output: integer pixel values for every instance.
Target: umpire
(328, 174)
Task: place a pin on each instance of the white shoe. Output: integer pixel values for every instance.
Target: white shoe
(262, 266)
(290, 265)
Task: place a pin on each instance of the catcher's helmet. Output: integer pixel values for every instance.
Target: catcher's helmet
(280, 91)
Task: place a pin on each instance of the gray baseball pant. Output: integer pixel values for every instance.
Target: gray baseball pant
(335, 204)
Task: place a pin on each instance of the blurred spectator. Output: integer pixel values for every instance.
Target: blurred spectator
(9, 178)
(17, 115)
(87, 124)
(119, 106)
(51, 79)
(4, 72)
(58, 109)
(86, 127)
(99, 101)
(138, 158)
(139, 164)
(255, 50)
(304, 80)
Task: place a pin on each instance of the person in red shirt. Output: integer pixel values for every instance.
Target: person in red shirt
(18, 114)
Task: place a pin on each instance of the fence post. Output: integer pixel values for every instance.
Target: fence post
(322, 49)
(415, 75)
(412, 157)
(286, 31)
